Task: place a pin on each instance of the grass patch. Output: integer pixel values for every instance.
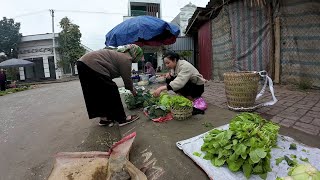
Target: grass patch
(305, 85)
(14, 90)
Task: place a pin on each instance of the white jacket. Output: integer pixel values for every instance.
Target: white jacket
(184, 72)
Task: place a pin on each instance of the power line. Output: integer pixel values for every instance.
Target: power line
(89, 12)
(31, 13)
(70, 11)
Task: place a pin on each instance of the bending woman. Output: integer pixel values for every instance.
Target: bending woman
(96, 70)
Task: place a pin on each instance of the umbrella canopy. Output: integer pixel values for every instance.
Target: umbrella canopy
(15, 63)
(143, 30)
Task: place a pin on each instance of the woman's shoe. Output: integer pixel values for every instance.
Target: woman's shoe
(129, 120)
(108, 123)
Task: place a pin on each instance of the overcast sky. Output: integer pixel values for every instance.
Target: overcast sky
(35, 18)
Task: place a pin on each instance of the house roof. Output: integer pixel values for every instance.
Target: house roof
(86, 48)
(38, 37)
(176, 20)
(47, 36)
(212, 9)
(202, 15)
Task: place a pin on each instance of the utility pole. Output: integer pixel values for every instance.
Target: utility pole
(54, 45)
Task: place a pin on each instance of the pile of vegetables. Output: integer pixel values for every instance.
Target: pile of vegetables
(174, 101)
(142, 99)
(302, 172)
(150, 104)
(245, 146)
(155, 106)
(156, 111)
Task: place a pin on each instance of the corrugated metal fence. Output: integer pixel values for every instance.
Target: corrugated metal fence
(300, 42)
(183, 45)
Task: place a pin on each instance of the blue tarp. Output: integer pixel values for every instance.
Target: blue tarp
(141, 28)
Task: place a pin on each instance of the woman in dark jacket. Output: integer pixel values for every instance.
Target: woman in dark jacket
(3, 80)
(96, 70)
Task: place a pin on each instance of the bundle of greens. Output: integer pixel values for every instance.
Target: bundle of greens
(174, 101)
(142, 99)
(165, 100)
(150, 100)
(180, 101)
(156, 111)
(245, 146)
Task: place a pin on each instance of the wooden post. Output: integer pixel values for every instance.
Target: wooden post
(277, 50)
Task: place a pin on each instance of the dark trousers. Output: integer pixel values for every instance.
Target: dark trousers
(2, 86)
(190, 89)
(101, 94)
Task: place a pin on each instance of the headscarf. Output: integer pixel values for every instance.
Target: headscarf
(150, 69)
(134, 50)
(148, 64)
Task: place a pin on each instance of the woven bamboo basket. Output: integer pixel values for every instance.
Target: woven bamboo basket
(241, 88)
(181, 113)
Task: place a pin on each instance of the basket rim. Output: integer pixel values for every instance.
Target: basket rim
(241, 73)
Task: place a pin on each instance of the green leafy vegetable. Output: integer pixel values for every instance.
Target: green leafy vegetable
(175, 101)
(245, 146)
(302, 172)
(142, 99)
(180, 101)
(279, 160)
(293, 146)
(165, 100)
(156, 111)
(293, 156)
(207, 124)
(290, 162)
(304, 150)
(197, 154)
(304, 159)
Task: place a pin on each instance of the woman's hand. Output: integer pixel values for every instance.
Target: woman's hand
(168, 76)
(157, 92)
(134, 92)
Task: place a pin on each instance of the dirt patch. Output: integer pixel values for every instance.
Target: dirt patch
(100, 173)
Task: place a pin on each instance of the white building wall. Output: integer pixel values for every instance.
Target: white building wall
(21, 72)
(185, 14)
(35, 49)
(46, 67)
(38, 48)
(146, 1)
(159, 58)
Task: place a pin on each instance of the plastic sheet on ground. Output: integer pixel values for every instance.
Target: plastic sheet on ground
(189, 146)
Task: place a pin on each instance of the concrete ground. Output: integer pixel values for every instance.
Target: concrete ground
(38, 123)
(35, 124)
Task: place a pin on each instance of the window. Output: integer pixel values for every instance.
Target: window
(138, 10)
